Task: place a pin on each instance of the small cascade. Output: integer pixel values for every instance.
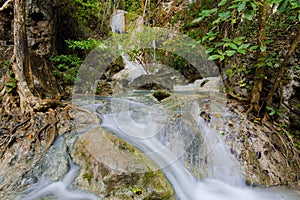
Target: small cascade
(143, 126)
(60, 190)
(222, 164)
(118, 22)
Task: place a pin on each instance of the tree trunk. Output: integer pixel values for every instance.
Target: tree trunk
(21, 66)
(261, 53)
(282, 69)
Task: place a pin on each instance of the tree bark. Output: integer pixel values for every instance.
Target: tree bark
(21, 67)
(259, 72)
(282, 69)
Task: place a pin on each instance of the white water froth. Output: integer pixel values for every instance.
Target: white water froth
(226, 183)
(60, 189)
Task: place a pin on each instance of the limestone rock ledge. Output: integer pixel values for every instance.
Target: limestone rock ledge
(114, 169)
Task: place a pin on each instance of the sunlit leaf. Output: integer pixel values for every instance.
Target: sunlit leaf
(219, 44)
(230, 52)
(241, 6)
(263, 48)
(197, 20)
(242, 51)
(209, 50)
(243, 84)
(238, 40)
(272, 110)
(244, 46)
(213, 57)
(223, 2)
(232, 45)
(253, 48)
(222, 57)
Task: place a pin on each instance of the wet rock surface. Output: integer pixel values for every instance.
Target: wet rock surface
(113, 168)
(96, 152)
(266, 153)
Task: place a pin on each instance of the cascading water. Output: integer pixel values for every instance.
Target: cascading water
(193, 156)
(167, 142)
(59, 190)
(144, 127)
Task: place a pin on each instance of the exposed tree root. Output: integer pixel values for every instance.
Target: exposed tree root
(35, 124)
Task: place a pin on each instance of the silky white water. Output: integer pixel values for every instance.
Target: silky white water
(225, 181)
(59, 190)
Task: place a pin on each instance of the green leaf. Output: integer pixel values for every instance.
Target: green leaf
(263, 48)
(213, 57)
(243, 84)
(232, 45)
(253, 5)
(224, 15)
(226, 40)
(299, 17)
(274, 1)
(219, 44)
(233, 6)
(211, 38)
(209, 50)
(230, 52)
(219, 51)
(242, 51)
(272, 110)
(282, 6)
(223, 2)
(244, 46)
(248, 14)
(197, 20)
(205, 38)
(238, 40)
(222, 57)
(268, 41)
(253, 48)
(241, 6)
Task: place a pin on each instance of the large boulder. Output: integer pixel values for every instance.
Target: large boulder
(116, 170)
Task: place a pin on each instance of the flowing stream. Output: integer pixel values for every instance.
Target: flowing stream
(145, 127)
(193, 156)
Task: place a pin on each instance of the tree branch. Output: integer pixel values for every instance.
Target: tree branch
(283, 67)
(5, 5)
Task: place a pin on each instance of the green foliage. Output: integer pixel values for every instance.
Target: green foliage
(87, 44)
(68, 65)
(5, 63)
(220, 41)
(132, 6)
(137, 191)
(226, 36)
(279, 112)
(12, 84)
(93, 15)
(160, 95)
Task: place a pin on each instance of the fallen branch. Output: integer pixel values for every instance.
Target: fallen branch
(5, 5)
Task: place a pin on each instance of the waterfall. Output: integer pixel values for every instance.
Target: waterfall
(222, 164)
(140, 125)
(60, 189)
(148, 128)
(118, 22)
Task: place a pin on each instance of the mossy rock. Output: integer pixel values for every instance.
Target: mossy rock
(112, 168)
(160, 95)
